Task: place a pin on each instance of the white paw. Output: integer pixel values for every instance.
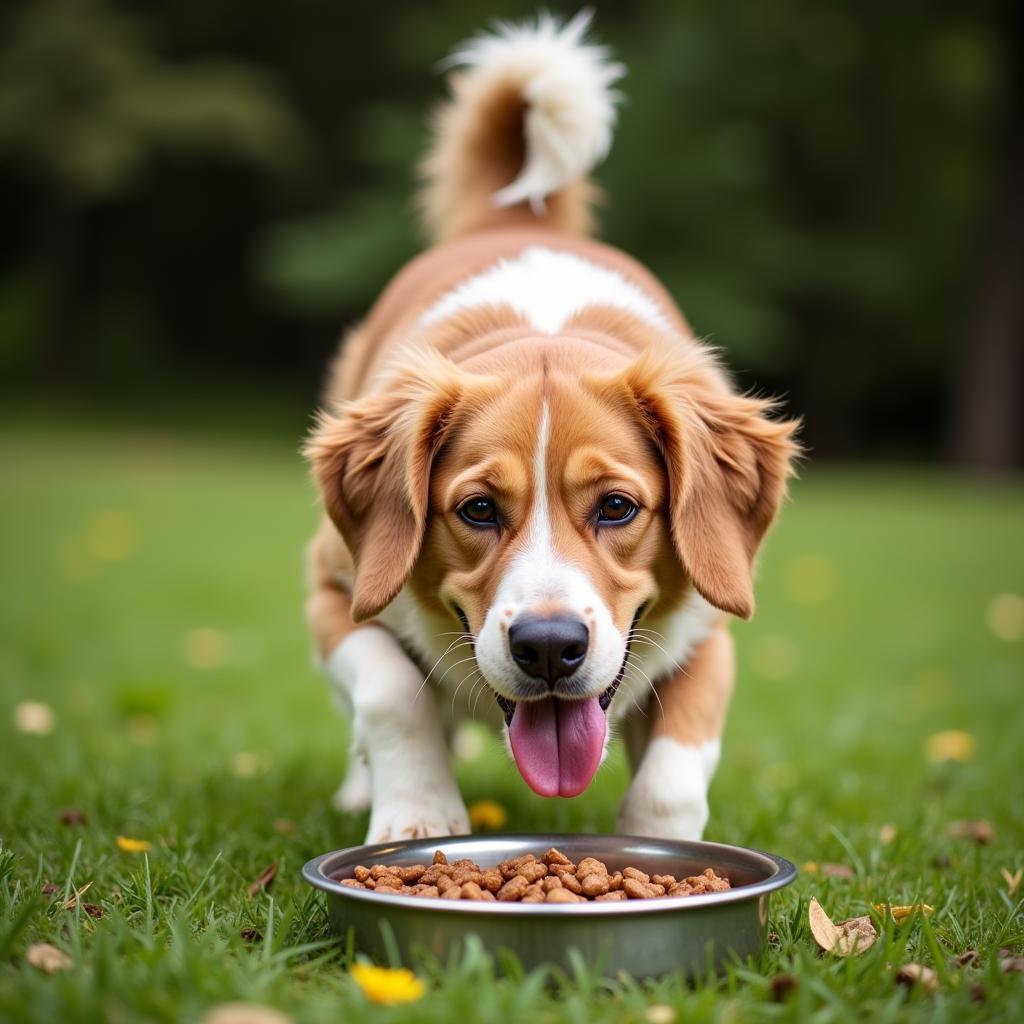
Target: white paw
(418, 816)
(354, 794)
(668, 797)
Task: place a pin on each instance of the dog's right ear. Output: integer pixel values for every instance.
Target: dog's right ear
(372, 463)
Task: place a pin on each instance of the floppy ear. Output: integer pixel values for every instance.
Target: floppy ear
(728, 464)
(372, 463)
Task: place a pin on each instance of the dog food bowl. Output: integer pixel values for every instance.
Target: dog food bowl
(645, 938)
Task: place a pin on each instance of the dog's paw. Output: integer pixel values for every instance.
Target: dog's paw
(354, 794)
(418, 816)
(668, 797)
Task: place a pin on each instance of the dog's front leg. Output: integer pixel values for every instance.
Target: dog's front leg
(395, 727)
(669, 793)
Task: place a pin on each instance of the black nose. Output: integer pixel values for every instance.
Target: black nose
(548, 649)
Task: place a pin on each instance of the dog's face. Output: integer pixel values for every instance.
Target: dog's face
(546, 514)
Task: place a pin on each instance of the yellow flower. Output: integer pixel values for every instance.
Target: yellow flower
(902, 913)
(386, 986)
(133, 845)
(953, 745)
(487, 814)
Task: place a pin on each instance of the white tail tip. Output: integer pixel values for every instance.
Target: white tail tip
(566, 84)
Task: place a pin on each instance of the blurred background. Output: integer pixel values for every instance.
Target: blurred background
(197, 196)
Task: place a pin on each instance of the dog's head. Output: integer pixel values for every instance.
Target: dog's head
(545, 512)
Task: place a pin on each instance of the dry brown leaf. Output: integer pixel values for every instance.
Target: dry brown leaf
(980, 830)
(72, 901)
(966, 958)
(1011, 964)
(917, 974)
(49, 889)
(1012, 881)
(244, 1013)
(72, 816)
(47, 958)
(782, 987)
(857, 935)
(267, 876)
(901, 913)
(825, 933)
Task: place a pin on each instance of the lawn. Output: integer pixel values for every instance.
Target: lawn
(152, 600)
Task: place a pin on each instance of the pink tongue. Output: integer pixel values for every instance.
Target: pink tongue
(557, 744)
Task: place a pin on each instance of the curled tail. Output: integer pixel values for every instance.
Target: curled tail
(531, 112)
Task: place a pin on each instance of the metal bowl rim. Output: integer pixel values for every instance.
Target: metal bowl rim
(784, 874)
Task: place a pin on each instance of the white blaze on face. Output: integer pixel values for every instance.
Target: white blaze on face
(540, 576)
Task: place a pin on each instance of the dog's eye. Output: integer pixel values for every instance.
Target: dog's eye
(616, 508)
(479, 512)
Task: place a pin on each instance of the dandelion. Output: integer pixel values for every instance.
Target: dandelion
(952, 745)
(128, 845)
(487, 814)
(387, 986)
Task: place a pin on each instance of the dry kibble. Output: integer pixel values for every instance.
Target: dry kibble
(472, 891)
(513, 889)
(636, 874)
(562, 895)
(525, 879)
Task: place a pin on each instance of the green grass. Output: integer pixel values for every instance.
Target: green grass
(871, 636)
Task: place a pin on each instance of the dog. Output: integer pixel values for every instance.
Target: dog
(536, 479)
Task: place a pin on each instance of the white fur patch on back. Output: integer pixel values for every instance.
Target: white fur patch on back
(566, 85)
(548, 288)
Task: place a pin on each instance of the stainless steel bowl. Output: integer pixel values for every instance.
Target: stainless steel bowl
(646, 938)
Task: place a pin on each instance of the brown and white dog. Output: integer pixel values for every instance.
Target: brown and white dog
(536, 479)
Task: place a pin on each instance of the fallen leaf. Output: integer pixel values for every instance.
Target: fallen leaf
(93, 910)
(47, 958)
(966, 958)
(244, 1013)
(1012, 881)
(72, 901)
(832, 870)
(33, 718)
(782, 987)
(129, 845)
(72, 816)
(660, 1013)
(902, 912)
(1011, 964)
(487, 814)
(49, 889)
(825, 933)
(951, 745)
(887, 833)
(251, 934)
(386, 985)
(857, 935)
(917, 974)
(267, 875)
(980, 830)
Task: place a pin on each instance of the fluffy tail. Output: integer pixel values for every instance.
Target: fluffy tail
(531, 112)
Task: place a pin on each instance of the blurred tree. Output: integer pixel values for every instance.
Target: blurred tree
(87, 104)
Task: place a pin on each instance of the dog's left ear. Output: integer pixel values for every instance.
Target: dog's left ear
(728, 463)
(372, 462)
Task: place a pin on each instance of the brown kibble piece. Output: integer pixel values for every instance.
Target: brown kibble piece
(439, 857)
(595, 885)
(570, 882)
(590, 866)
(664, 880)
(554, 856)
(353, 883)
(488, 896)
(636, 874)
(513, 889)
(562, 895)
(391, 890)
(680, 889)
(635, 889)
(430, 891)
(361, 873)
(610, 897)
(615, 882)
(491, 880)
(444, 883)
(533, 872)
(472, 891)
(453, 892)
(413, 873)
(551, 882)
